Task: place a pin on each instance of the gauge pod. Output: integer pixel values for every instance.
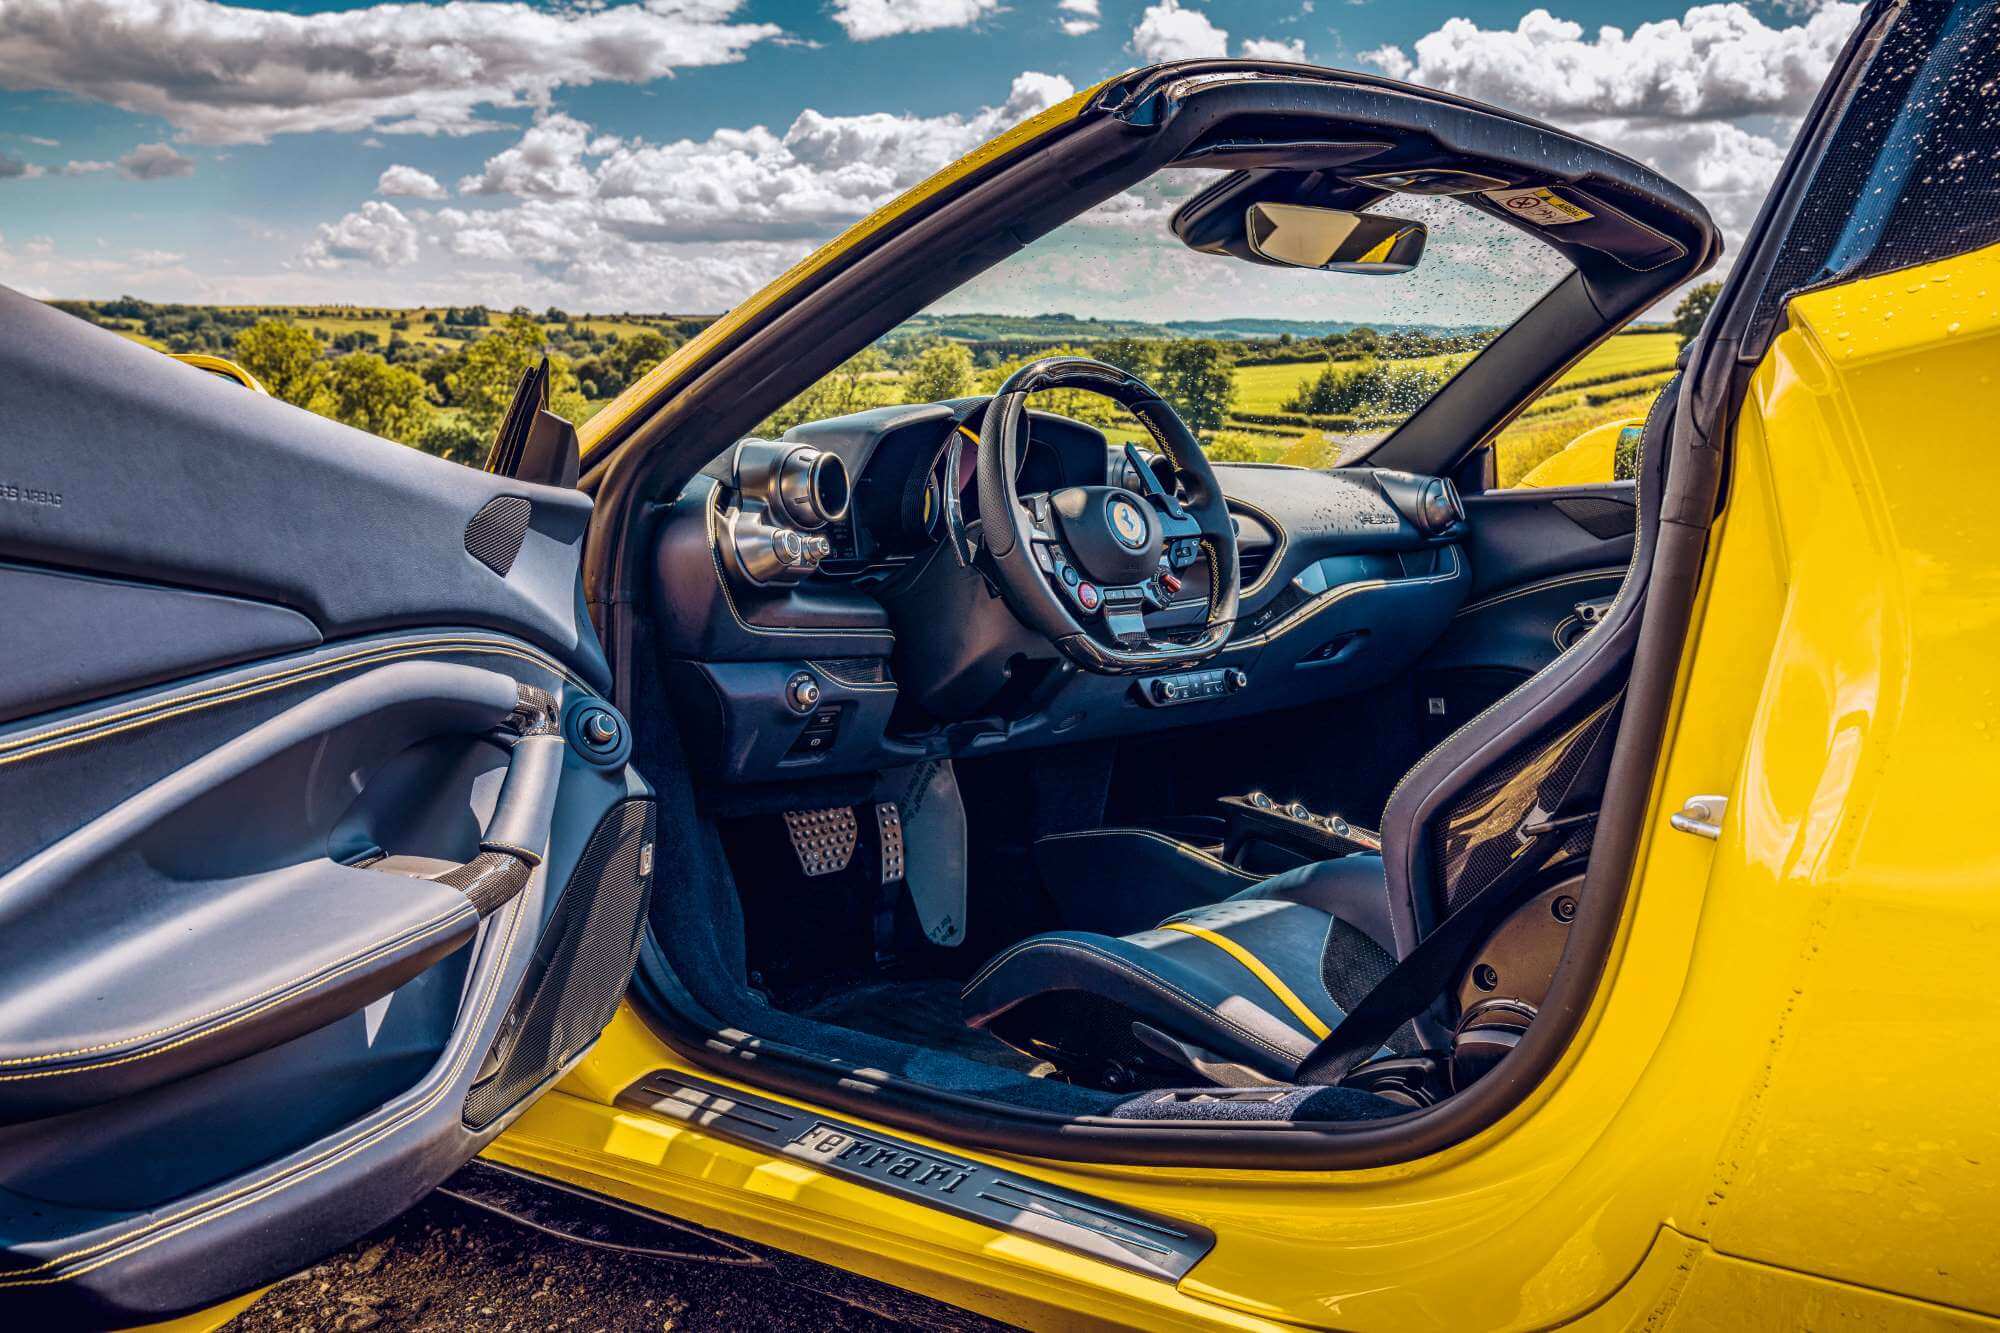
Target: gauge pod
(803, 486)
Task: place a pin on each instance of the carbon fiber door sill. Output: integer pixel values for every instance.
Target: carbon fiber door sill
(1141, 1242)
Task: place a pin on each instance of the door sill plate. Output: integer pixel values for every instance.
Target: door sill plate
(1144, 1243)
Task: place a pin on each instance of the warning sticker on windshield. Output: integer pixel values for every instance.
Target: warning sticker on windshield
(1544, 207)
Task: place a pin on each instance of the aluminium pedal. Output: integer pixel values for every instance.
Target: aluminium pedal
(889, 830)
(823, 840)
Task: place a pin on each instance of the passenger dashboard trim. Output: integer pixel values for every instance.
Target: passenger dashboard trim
(1294, 619)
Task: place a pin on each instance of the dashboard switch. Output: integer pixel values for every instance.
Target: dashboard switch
(802, 692)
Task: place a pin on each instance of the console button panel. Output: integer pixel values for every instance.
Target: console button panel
(1192, 686)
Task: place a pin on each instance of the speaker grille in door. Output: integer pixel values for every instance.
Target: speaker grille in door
(495, 534)
(580, 968)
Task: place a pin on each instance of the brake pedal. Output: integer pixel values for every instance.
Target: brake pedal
(823, 840)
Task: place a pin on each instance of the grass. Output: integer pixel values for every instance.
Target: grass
(1262, 389)
(1616, 381)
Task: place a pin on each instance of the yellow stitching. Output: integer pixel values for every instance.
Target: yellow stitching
(226, 687)
(1272, 982)
(1529, 589)
(207, 1210)
(277, 681)
(262, 999)
(180, 705)
(1143, 977)
(1307, 610)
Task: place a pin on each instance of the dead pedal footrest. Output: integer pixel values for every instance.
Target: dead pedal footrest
(824, 840)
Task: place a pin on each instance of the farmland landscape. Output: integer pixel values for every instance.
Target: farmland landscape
(1274, 391)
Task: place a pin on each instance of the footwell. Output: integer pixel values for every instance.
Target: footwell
(921, 1013)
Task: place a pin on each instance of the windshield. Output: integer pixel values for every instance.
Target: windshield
(1270, 365)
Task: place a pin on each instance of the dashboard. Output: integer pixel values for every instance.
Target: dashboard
(900, 456)
(812, 619)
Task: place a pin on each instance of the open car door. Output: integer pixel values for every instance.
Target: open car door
(321, 857)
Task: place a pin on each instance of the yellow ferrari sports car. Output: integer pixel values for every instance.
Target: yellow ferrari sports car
(1019, 845)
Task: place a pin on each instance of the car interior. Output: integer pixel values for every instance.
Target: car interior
(1030, 772)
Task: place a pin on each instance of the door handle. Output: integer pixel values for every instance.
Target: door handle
(1701, 816)
(508, 851)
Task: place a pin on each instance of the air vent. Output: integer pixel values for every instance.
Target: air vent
(1252, 561)
(495, 534)
(857, 670)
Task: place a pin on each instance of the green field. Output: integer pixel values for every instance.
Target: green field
(1616, 381)
(1263, 389)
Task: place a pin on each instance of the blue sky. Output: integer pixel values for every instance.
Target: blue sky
(674, 154)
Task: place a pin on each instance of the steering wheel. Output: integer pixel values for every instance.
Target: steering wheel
(1086, 565)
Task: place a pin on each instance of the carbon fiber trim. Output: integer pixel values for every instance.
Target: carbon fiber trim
(580, 968)
(495, 534)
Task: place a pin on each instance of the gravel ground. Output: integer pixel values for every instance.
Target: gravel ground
(492, 1250)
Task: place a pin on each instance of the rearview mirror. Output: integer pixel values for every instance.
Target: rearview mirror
(1333, 240)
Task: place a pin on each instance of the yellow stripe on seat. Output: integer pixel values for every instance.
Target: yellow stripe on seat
(1257, 969)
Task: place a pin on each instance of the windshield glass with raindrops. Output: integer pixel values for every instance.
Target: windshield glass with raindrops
(1272, 365)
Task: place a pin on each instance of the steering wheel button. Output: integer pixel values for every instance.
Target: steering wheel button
(1070, 576)
(1087, 595)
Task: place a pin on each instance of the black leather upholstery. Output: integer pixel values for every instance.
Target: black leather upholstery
(1071, 996)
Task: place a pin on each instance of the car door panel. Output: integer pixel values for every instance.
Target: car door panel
(57, 622)
(307, 882)
(124, 463)
(1543, 561)
(1526, 536)
(227, 858)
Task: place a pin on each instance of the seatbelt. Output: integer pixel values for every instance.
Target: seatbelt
(1425, 972)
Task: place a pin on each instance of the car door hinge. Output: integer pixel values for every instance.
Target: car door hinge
(1701, 816)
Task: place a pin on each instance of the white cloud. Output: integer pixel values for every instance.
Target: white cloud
(154, 162)
(1168, 32)
(1716, 61)
(1084, 16)
(1270, 48)
(546, 163)
(85, 168)
(408, 181)
(223, 73)
(1722, 164)
(866, 20)
(14, 169)
(41, 270)
(821, 173)
(377, 233)
(693, 224)
(1669, 93)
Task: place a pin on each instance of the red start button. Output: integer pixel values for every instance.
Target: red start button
(1087, 596)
